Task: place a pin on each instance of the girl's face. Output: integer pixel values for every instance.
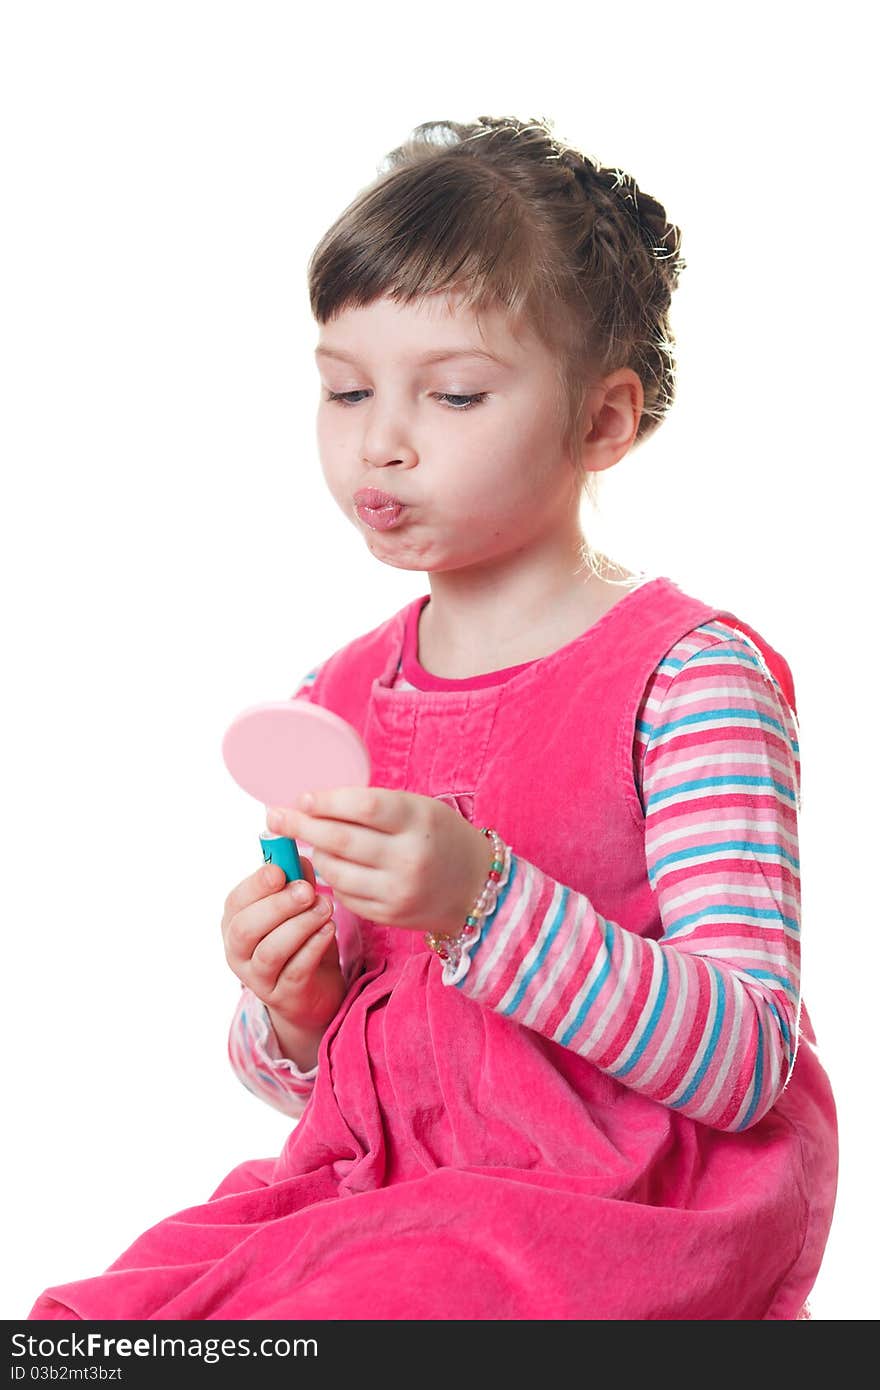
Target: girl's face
(470, 444)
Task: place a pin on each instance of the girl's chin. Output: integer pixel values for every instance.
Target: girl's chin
(384, 549)
(423, 564)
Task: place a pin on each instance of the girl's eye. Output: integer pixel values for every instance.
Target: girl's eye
(469, 401)
(476, 399)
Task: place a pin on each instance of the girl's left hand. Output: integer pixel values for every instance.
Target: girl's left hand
(392, 857)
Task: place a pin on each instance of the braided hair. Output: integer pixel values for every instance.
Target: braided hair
(508, 215)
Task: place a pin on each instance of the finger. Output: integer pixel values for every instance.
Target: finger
(373, 905)
(378, 808)
(267, 879)
(355, 844)
(368, 908)
(299, 969)
(353, 880)
(274, 950)
(321, 945)
(246, 928)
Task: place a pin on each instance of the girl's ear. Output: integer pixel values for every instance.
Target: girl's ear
(615, 410)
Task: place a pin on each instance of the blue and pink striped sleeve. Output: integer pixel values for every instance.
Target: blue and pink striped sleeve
(705, 1019)
(258, 1062)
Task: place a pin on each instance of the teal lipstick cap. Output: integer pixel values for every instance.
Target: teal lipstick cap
(278, 849)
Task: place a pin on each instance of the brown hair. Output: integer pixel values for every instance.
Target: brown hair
(507, 215)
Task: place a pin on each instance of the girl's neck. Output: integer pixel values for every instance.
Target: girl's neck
(475, 623)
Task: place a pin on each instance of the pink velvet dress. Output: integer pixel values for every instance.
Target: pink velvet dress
(452, 1162)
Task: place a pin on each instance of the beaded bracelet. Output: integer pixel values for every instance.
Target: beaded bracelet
(451, 948)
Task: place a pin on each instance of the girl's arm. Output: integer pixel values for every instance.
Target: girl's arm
(705, 1020)
(254, 1050)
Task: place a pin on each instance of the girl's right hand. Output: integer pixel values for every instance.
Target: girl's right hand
(280, 941)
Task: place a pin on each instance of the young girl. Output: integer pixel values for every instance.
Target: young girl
(545, 1044)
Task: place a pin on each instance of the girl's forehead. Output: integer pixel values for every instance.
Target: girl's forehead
(440, 321)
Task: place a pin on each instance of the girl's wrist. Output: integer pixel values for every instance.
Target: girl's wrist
(300, 1045)
(452, 944)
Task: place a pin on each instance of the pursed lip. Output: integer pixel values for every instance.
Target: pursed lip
(372, 497)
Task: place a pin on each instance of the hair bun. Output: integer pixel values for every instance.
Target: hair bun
(661, 237)
(614, 187)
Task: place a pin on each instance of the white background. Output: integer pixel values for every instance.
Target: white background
(170, 554)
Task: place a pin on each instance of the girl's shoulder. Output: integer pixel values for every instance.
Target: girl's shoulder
(715, 685)
(368, 651)
(715, 650)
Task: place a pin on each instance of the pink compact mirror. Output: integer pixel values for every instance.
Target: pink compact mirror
(277, 750)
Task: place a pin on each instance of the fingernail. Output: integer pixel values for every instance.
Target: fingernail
(305, 801)
(274, 820)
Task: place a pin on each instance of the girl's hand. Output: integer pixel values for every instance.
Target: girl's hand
(280, 941)
(393, 857)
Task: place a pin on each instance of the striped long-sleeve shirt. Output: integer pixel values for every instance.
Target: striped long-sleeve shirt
(705, 1019)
